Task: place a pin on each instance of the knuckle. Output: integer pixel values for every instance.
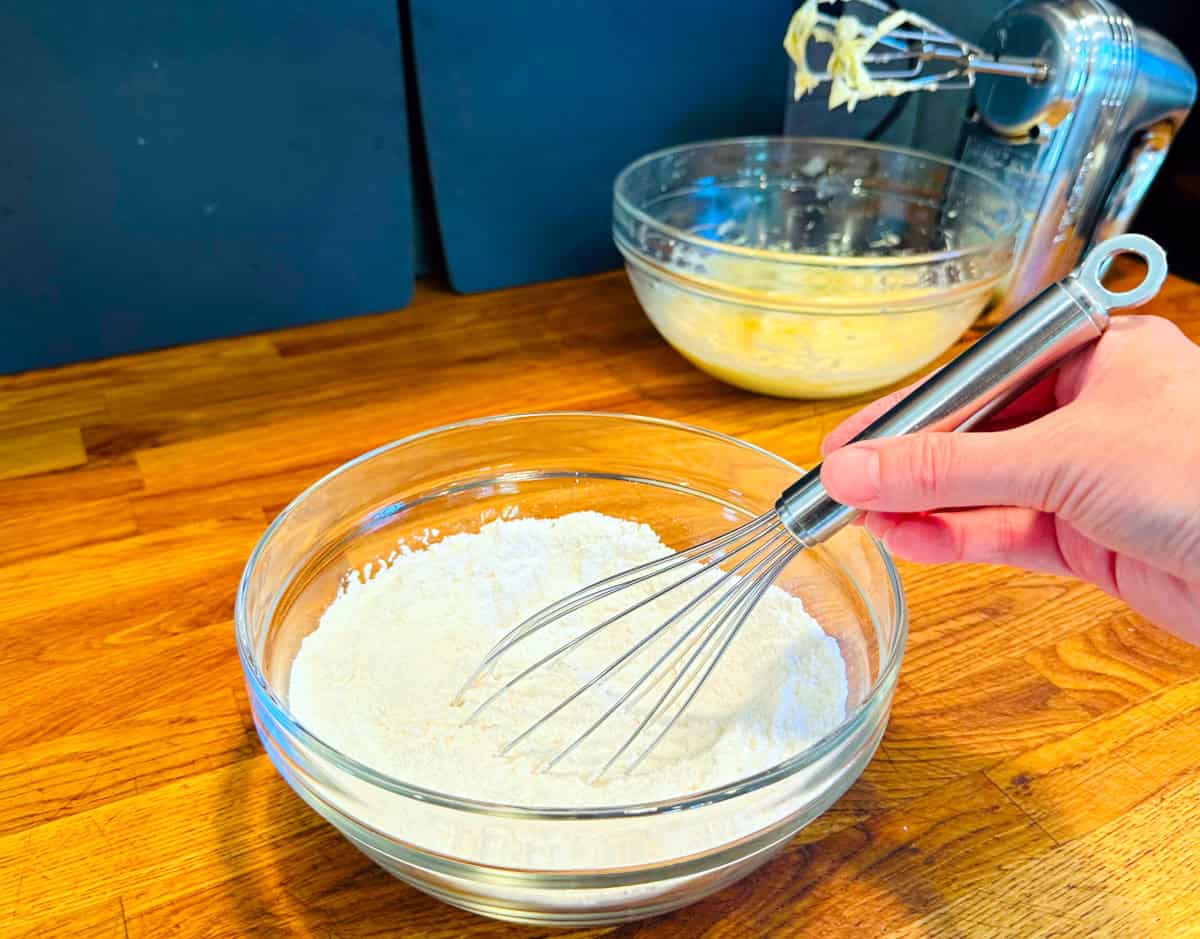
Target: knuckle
(959, 543)
(1159, 326)
(1004, 536)
(932, 458)
(1042, 457)
(1044, 490)
(1069, 494)
(1184, 543)
(1152, 334)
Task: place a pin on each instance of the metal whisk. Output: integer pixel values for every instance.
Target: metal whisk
(899, 46)
(1064, 318)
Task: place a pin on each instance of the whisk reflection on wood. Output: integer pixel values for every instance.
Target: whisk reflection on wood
(735, 569)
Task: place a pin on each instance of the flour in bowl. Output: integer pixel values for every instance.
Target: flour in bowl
(377, 678)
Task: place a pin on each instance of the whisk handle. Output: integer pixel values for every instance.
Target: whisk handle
(1064, 318)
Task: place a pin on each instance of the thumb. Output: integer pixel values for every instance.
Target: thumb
(922, 472)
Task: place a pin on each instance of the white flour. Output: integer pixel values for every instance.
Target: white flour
(377, 677)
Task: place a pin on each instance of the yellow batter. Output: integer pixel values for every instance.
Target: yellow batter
(842, 339)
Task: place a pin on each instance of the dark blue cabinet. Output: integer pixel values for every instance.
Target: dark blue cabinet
(183, 170)
(530, 110)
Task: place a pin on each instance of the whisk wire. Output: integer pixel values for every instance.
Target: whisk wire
(577, 640)
(739, 613)
(632, 651)
(757, 551)
(610, 585)
(669, 654)
(582, 637)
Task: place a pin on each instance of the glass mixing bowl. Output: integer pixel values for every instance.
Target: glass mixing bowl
(570, 866)
(810, 268)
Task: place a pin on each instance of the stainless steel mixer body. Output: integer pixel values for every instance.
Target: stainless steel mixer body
(1080, 148)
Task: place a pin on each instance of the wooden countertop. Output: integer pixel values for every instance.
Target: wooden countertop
(1040, 776)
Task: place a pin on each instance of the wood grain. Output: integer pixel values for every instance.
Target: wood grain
(1040, 775)
(40, 452)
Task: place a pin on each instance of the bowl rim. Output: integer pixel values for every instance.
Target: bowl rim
(1007, 233)
(266, 695)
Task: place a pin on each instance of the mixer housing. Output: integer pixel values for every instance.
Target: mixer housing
(1080, 148)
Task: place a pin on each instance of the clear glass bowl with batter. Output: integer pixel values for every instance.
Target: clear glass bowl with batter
(560, 864)
(811, 268)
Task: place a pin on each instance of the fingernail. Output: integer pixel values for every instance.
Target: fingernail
(852, 475)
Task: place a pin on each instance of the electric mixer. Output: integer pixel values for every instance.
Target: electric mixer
(1073, 109)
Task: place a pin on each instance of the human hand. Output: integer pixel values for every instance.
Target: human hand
(1094, 472)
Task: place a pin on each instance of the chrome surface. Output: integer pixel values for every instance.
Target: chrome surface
(1079, 149)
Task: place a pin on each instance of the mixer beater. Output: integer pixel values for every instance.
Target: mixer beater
(875, 49)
